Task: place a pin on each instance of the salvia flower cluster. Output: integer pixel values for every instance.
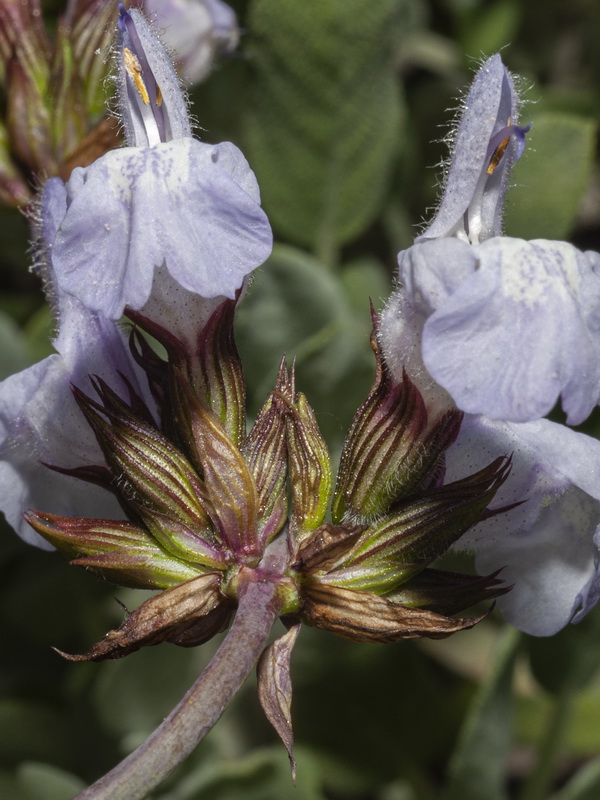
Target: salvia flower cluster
(135, 460)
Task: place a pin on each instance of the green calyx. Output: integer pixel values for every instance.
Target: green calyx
(211, 510)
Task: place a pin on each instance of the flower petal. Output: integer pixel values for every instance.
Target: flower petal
(191, 206)
(155, 90)
(40, 422)
(491, 105)
(545, 546)
(520, 331)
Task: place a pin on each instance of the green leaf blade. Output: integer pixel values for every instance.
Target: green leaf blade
(551, 177)
(325, 119)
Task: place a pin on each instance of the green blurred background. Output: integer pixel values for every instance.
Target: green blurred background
(341, 107)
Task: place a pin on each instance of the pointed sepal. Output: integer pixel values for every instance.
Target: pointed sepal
(325, 547)
(309, 469)
(265, 452)
(275, 688)
(157, 481)
(220, 370)
(187, 615)
(117, 550)
(228, 482)
(407, 540)
(448, 592)
(13, 187)
(366, 617)
(88, 25)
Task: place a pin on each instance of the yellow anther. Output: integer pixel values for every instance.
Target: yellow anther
(134, 70)
(497, 155)
(158, 96)
(498, 152)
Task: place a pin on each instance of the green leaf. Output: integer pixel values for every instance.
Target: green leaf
(550, 179)
(294, 307)
(264, 774)
(133, 695)
(324, 124)
(8, 786)
(44, 782)
(478, 765)
(364, 280)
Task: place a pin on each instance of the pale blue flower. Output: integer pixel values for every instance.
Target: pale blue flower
(548, 544)
(512, 325)
(168, 226)
(166, 201)
(486, 144)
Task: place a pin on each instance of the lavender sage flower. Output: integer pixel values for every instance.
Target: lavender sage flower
(511, 326)
(501, 328)
(546, 541)
(167, 209)
(40, 422)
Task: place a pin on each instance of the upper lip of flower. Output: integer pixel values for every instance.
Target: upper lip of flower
(152, 104)
(487, 144)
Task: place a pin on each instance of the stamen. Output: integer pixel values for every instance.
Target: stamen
(497, 155)
(143, 81)
(499, 143)
(134, 70)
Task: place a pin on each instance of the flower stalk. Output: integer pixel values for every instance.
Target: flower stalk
(200, 708)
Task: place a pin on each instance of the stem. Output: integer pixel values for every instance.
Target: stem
(540, 780)
(200, 708)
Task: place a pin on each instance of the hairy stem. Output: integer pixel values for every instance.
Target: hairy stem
(200, 708)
